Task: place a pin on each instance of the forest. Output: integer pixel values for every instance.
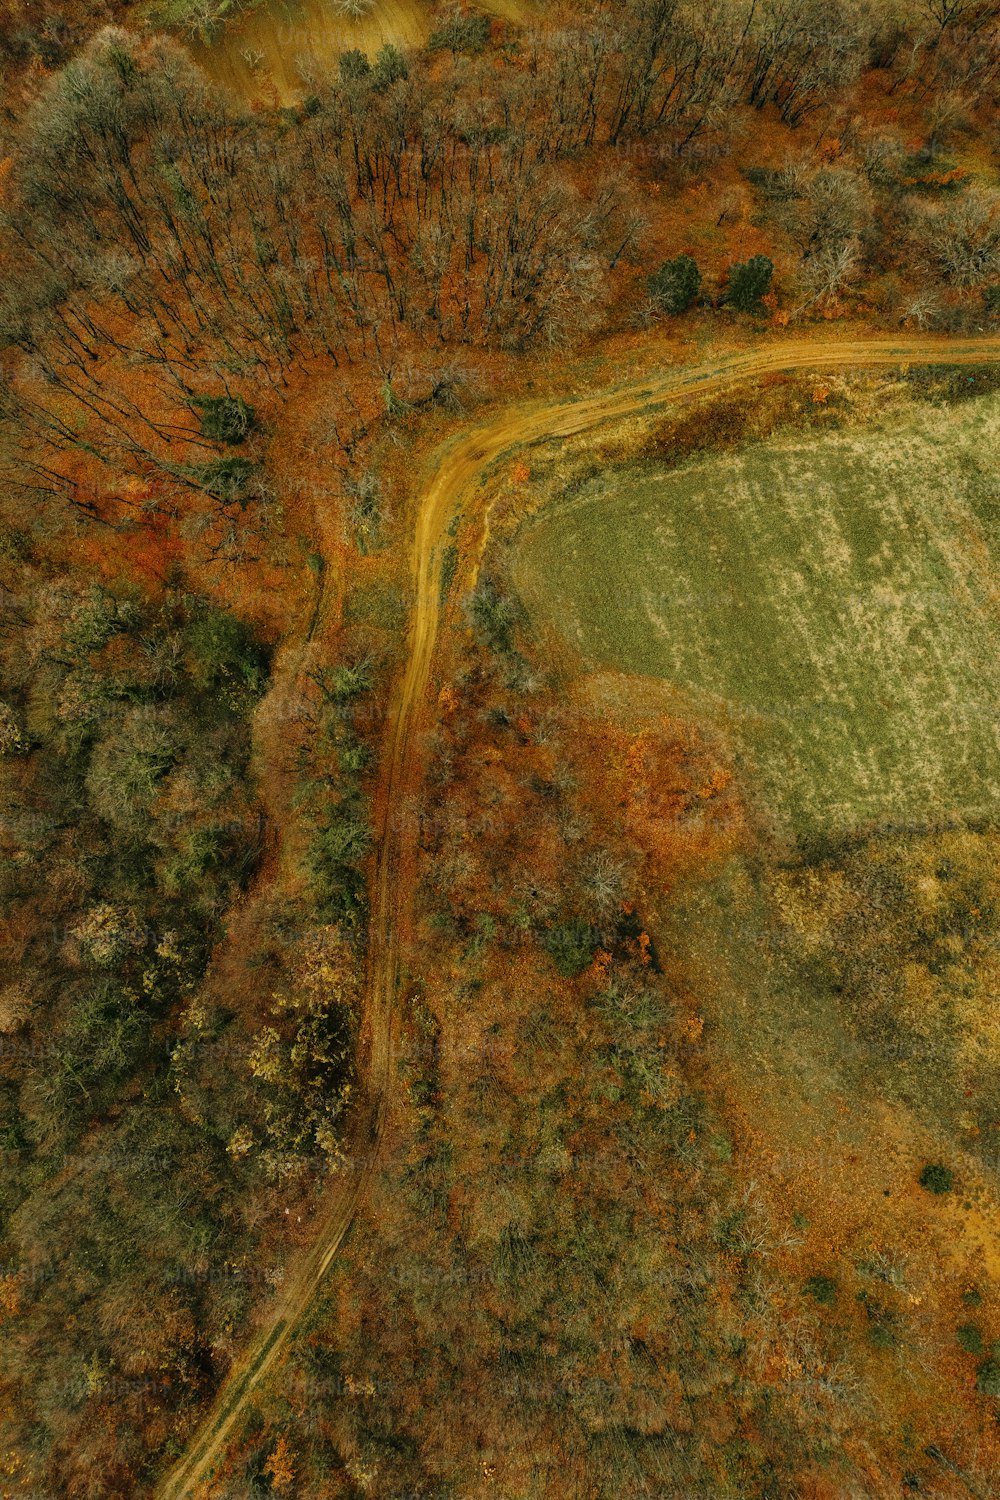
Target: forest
(231, 332)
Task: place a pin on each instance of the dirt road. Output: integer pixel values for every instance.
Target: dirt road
(452, 474)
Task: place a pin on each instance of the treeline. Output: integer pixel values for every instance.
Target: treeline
(170, 245)
(896, 230)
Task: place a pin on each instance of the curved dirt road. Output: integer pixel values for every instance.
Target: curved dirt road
(454, 468)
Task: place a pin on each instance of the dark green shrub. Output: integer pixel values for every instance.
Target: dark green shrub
(15, 545)
(571, 946)
(104, 1036)
(882, 1321)
(972, 1298)
(991, 301)
(988, 1377)
(463, 34)
(390, 67)
(936, 1178)
(332, 860)
(225, 419)
(99, 616)
(205, 855)
(930, 175)
(354, 66)
(749, 283)
(348, 682)
(227, 479)
(676, 284)
(822, 1289)
(220, 648)
(345, 840)
(494, 617)
(128, 764)
(353, 758)
(970, 1339)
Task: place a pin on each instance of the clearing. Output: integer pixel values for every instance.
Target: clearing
(827, 603)
(279, 48)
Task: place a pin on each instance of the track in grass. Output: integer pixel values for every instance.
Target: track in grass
(827, 602)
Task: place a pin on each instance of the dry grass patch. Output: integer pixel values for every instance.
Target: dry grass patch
(828, 604)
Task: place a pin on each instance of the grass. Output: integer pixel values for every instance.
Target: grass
(253, 44)
(827, 602)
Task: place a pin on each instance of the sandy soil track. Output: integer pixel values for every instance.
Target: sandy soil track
(453, 471)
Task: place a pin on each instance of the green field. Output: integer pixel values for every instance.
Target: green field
(827, 602)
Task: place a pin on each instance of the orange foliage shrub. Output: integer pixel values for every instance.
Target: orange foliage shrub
(280, 1466)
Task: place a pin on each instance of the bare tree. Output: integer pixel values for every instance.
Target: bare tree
(826, 272)
(959, 242)
(970, 16)
(794, 53)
